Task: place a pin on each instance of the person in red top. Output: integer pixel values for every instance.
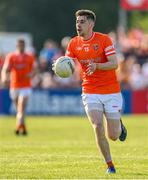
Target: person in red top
(100, 89)
(21, 67)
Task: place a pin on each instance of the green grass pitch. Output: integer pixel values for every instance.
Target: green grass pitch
(63, 147)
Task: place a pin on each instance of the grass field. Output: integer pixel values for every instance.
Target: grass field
(64, 148)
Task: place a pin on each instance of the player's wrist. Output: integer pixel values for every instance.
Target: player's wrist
(97, 66)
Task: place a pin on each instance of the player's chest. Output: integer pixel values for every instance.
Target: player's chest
(20, 63)
(88, 50)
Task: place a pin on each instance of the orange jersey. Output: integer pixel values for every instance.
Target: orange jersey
(96, 49)
(20, 65)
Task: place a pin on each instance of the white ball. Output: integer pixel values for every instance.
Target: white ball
(64, 67)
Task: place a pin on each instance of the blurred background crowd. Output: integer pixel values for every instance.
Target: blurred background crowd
(132, 53)
(52, 24)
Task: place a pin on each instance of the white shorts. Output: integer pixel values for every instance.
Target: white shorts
(110, 104)
(23, 92)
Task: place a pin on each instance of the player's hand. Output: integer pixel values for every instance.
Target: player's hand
(53, 66)
(91, 67)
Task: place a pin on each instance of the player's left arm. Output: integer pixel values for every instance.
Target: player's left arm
(110, 54)
(111, 64)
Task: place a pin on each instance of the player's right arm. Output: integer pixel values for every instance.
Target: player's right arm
(69, 53)
(5, 70)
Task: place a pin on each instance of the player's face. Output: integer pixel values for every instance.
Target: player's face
(83, 26)
(21, 46)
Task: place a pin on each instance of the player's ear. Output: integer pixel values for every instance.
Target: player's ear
(92, 24)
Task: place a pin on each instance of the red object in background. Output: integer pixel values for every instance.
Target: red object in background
(140, 101)
(134, 4)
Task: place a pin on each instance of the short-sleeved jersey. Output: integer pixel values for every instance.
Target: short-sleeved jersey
(20, 65)
(96, 49)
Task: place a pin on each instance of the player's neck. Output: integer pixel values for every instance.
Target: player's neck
(88, 36)
(20, 52)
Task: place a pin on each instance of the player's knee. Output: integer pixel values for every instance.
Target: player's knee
(97, 125)
(98, 128)
(113, 137)
(19, 115)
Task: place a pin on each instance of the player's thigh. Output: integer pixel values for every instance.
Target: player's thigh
(14, 93)
(95, 117)
(23, 98)
(113, 106)
(93, 108)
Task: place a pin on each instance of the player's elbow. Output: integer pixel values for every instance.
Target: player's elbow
(114, 65)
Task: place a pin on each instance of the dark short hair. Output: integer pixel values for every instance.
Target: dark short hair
(88, 13)
(21, 41)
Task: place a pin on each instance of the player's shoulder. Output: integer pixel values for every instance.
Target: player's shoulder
(75, 39)
(101, 35)
(11, 55)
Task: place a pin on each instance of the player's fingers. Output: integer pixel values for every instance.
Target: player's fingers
(53, 66)
(91, 67)
(89, 71)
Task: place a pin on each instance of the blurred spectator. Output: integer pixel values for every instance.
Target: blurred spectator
(64, 44)
(133, 69)
(123, 41)
(132, 53)
(145, 72)
(136, 79)
(134, 42)
(49, 52)
(124, 71)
